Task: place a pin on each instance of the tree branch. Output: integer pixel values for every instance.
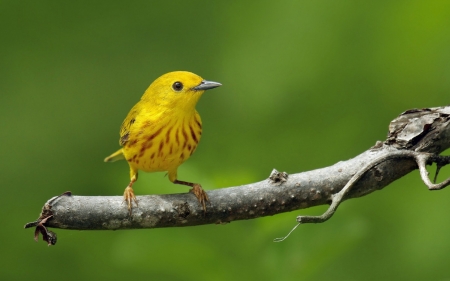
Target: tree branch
(415, 139)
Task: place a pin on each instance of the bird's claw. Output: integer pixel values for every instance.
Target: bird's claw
(129, 197)
(200, 194)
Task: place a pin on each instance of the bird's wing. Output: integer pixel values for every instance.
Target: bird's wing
(127, 124)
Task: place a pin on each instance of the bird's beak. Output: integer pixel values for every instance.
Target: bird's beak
(206, 85)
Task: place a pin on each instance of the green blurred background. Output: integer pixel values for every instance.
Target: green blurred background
(305, 84)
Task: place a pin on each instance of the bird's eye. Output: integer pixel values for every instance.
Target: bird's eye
(177, 86)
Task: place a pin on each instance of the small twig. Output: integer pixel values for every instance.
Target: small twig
(440, 161)
(281, 239)
(422, 160)
(438, 168)
(337, 198)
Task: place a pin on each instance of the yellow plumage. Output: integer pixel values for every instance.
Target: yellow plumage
(163, 129)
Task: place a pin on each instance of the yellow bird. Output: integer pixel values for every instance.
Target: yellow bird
(163, 129)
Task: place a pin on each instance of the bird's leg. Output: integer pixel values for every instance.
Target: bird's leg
(128, 194)
(197, 190)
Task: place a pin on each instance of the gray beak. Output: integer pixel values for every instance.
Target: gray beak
(206, 85)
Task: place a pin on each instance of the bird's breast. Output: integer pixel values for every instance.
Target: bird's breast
(162, 146)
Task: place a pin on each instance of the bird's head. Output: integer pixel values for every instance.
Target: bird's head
(178, 90)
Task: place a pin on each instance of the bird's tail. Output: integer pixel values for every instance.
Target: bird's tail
(118, 155)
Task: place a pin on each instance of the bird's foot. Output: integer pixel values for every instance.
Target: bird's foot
(129, 197)
(200, 194)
